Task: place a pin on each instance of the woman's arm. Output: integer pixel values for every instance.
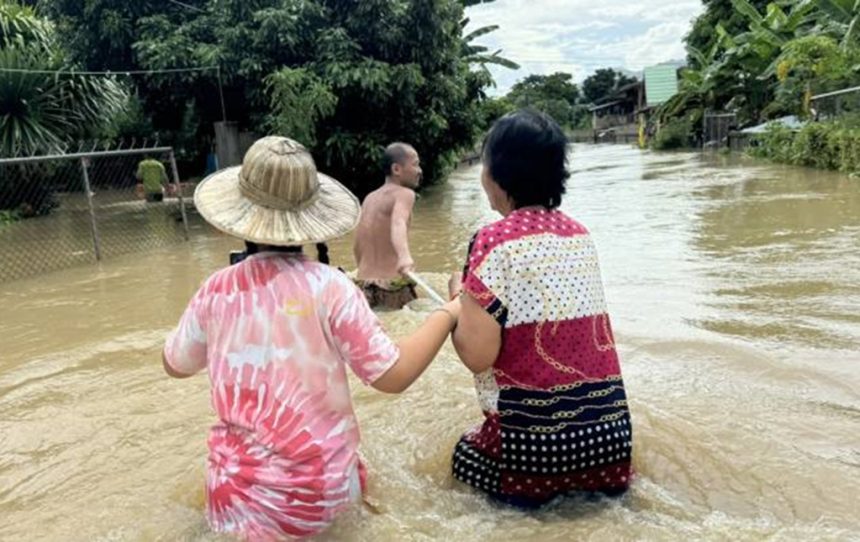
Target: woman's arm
(184, 352)
(478, 336)
(170, 370)
(418, 349)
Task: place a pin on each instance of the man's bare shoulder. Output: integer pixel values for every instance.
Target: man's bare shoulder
(387, 195)
(403, 194)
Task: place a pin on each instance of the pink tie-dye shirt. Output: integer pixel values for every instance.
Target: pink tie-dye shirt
(276, 333)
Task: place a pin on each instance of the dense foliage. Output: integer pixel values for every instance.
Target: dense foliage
(764, 60)
(555, 95)
(343, 77)
(602, 83)
(559, 97)
(825, 145)
(41, 112)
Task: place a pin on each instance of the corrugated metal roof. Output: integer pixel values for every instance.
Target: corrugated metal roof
(791, 122)
(661, 83)
(604, 106)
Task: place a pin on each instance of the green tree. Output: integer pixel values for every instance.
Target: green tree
(764, 59)
(101, 33)
(752, 57)
(737, 70)
(812, 63)
(344, 77)
(603, 82)
(493, 109)
(698, 86)
(840, 19)
(42, 111)
(718, 13)
(556, 95)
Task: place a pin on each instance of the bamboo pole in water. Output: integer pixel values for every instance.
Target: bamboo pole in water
(426, 287)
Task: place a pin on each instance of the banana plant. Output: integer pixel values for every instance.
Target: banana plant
(701, 80)
(839, 18)
(759, 48)
(478, 54)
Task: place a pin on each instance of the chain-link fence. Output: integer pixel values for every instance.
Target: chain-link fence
(65, 210)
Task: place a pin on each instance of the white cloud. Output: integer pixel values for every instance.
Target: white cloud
(579, 36)
(659, 44)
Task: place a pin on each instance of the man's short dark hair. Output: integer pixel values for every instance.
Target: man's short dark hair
(526, 153)
(396, 153)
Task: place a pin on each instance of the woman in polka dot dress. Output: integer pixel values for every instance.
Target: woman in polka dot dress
(535, 332)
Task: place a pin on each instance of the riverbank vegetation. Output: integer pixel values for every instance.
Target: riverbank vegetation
(765, 60)
(344, 78)
(826, 145)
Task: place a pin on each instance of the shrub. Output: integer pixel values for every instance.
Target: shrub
(27, 190)
(812, 146)
(823, 145)
(675, 134)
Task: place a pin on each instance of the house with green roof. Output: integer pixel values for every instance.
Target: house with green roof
(625, 111)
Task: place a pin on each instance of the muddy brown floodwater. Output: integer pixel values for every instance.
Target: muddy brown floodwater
(734, 287)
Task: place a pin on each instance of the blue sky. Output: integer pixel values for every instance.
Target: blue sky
(579, 36)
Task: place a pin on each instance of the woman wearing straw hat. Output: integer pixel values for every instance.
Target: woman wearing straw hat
(275, 333)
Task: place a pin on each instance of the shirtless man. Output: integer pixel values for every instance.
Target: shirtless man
(381, 240)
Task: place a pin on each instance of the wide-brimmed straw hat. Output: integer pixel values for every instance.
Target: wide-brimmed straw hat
(277, 197)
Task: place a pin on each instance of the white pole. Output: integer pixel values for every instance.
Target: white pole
(426, 287)
(93, 223)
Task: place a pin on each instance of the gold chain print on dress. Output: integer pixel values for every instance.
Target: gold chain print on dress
(548, 303)
(610, 344)
(555, 389)
(556, 428)
(573, 387)
(549, 402)
(564, 413)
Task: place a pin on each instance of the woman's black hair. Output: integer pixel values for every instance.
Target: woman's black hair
(322, 250)
(253, 248)
(526, 153)
(322, 253)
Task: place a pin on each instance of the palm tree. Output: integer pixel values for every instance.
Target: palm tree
(19, 25)
(43, 106)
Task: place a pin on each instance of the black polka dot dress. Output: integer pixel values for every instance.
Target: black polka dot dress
(556, 413)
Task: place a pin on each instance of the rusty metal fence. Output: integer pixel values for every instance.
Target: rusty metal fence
(65, 210)
(716, 127)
